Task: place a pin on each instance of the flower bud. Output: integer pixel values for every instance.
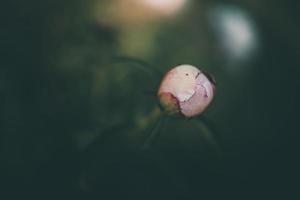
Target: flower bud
(186, 90)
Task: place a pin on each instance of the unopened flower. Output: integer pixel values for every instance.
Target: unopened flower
(186, 90)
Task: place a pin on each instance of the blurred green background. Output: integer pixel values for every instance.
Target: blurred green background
(78, 81)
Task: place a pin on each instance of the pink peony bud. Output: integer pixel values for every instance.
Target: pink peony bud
(186, 90)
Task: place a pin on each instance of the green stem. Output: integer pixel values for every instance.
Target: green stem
(154, 134)
(207, 131)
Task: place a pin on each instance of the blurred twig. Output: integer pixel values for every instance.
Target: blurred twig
(139, 64)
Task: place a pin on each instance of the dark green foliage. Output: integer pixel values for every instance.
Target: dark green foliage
(76, 110)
